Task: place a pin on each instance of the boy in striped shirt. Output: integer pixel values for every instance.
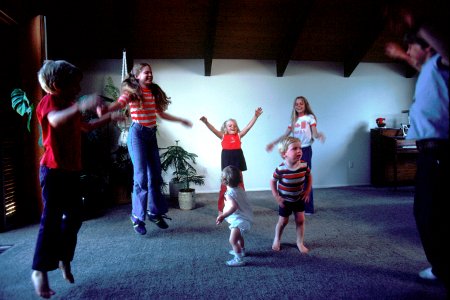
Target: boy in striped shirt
(291, 185)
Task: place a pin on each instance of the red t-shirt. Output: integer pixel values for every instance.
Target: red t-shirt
(63, 144)
(231, 141)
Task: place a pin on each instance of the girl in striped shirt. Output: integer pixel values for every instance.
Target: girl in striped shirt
(146, 101)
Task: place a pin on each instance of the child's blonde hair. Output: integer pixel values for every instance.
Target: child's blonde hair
(231, 176)
(59, 73)
(131, 86)
(224, 125)
(283, 145)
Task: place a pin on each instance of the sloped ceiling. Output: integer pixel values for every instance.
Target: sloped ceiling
(344, 31)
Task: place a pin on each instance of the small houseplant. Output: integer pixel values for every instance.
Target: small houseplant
(121, 178)
(21, 104)
(112, 94)
(184, 173)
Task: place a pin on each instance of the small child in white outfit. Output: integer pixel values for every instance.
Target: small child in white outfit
(237, 212)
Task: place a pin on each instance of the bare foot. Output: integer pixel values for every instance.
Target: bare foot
(66, 271)
(41, 286)
(302, 248)
(276, 246)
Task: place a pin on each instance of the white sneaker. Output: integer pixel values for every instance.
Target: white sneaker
(235, 262)
(233, 253)
(427, 274)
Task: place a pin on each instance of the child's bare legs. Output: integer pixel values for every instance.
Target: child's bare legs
(66, 271)
(236, 240)
(300, 228)
(241, 242)
(41, 286)
(282, 222)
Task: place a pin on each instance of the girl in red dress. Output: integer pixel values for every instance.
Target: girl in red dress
(232, 154)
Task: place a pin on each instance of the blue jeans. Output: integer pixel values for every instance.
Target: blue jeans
(148, 182)
(61, 218)
(307, 156)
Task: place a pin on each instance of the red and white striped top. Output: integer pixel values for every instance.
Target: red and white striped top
(145, 115)
(291, 183)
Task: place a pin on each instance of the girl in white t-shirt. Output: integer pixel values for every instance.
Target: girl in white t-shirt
(304, 127)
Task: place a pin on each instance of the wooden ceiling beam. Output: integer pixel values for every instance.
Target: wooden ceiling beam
(6, 19)
(211, 26)
(357, 52)
(371, 28)
(293, 30)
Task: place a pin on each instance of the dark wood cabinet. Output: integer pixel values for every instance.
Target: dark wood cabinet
(393, 158)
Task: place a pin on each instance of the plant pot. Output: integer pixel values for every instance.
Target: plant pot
(121, 182)
(121, 194)
(174, 188)
(186, 199)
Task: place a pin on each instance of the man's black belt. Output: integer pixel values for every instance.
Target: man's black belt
(432, 144)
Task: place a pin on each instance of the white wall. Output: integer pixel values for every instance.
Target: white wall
(346, 109)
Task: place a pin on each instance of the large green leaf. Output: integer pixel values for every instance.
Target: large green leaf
(111, 90)
(21, 104)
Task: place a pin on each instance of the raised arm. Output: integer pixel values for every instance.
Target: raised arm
(244, 131)
(218, 133)
(103, 120)
(270, 146)
(433, 32)
(437, 41)
(169, 117)
(396, 51)
(59, 117)
(115, 106)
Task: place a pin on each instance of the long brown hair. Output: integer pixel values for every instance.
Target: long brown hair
(308, 111)
(131, 86)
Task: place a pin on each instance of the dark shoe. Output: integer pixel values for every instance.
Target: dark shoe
(159, 220)
(138, 225)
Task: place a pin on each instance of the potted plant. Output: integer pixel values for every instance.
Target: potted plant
(121, 178)
(181, 161)
(112, 94)
(21, 104)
